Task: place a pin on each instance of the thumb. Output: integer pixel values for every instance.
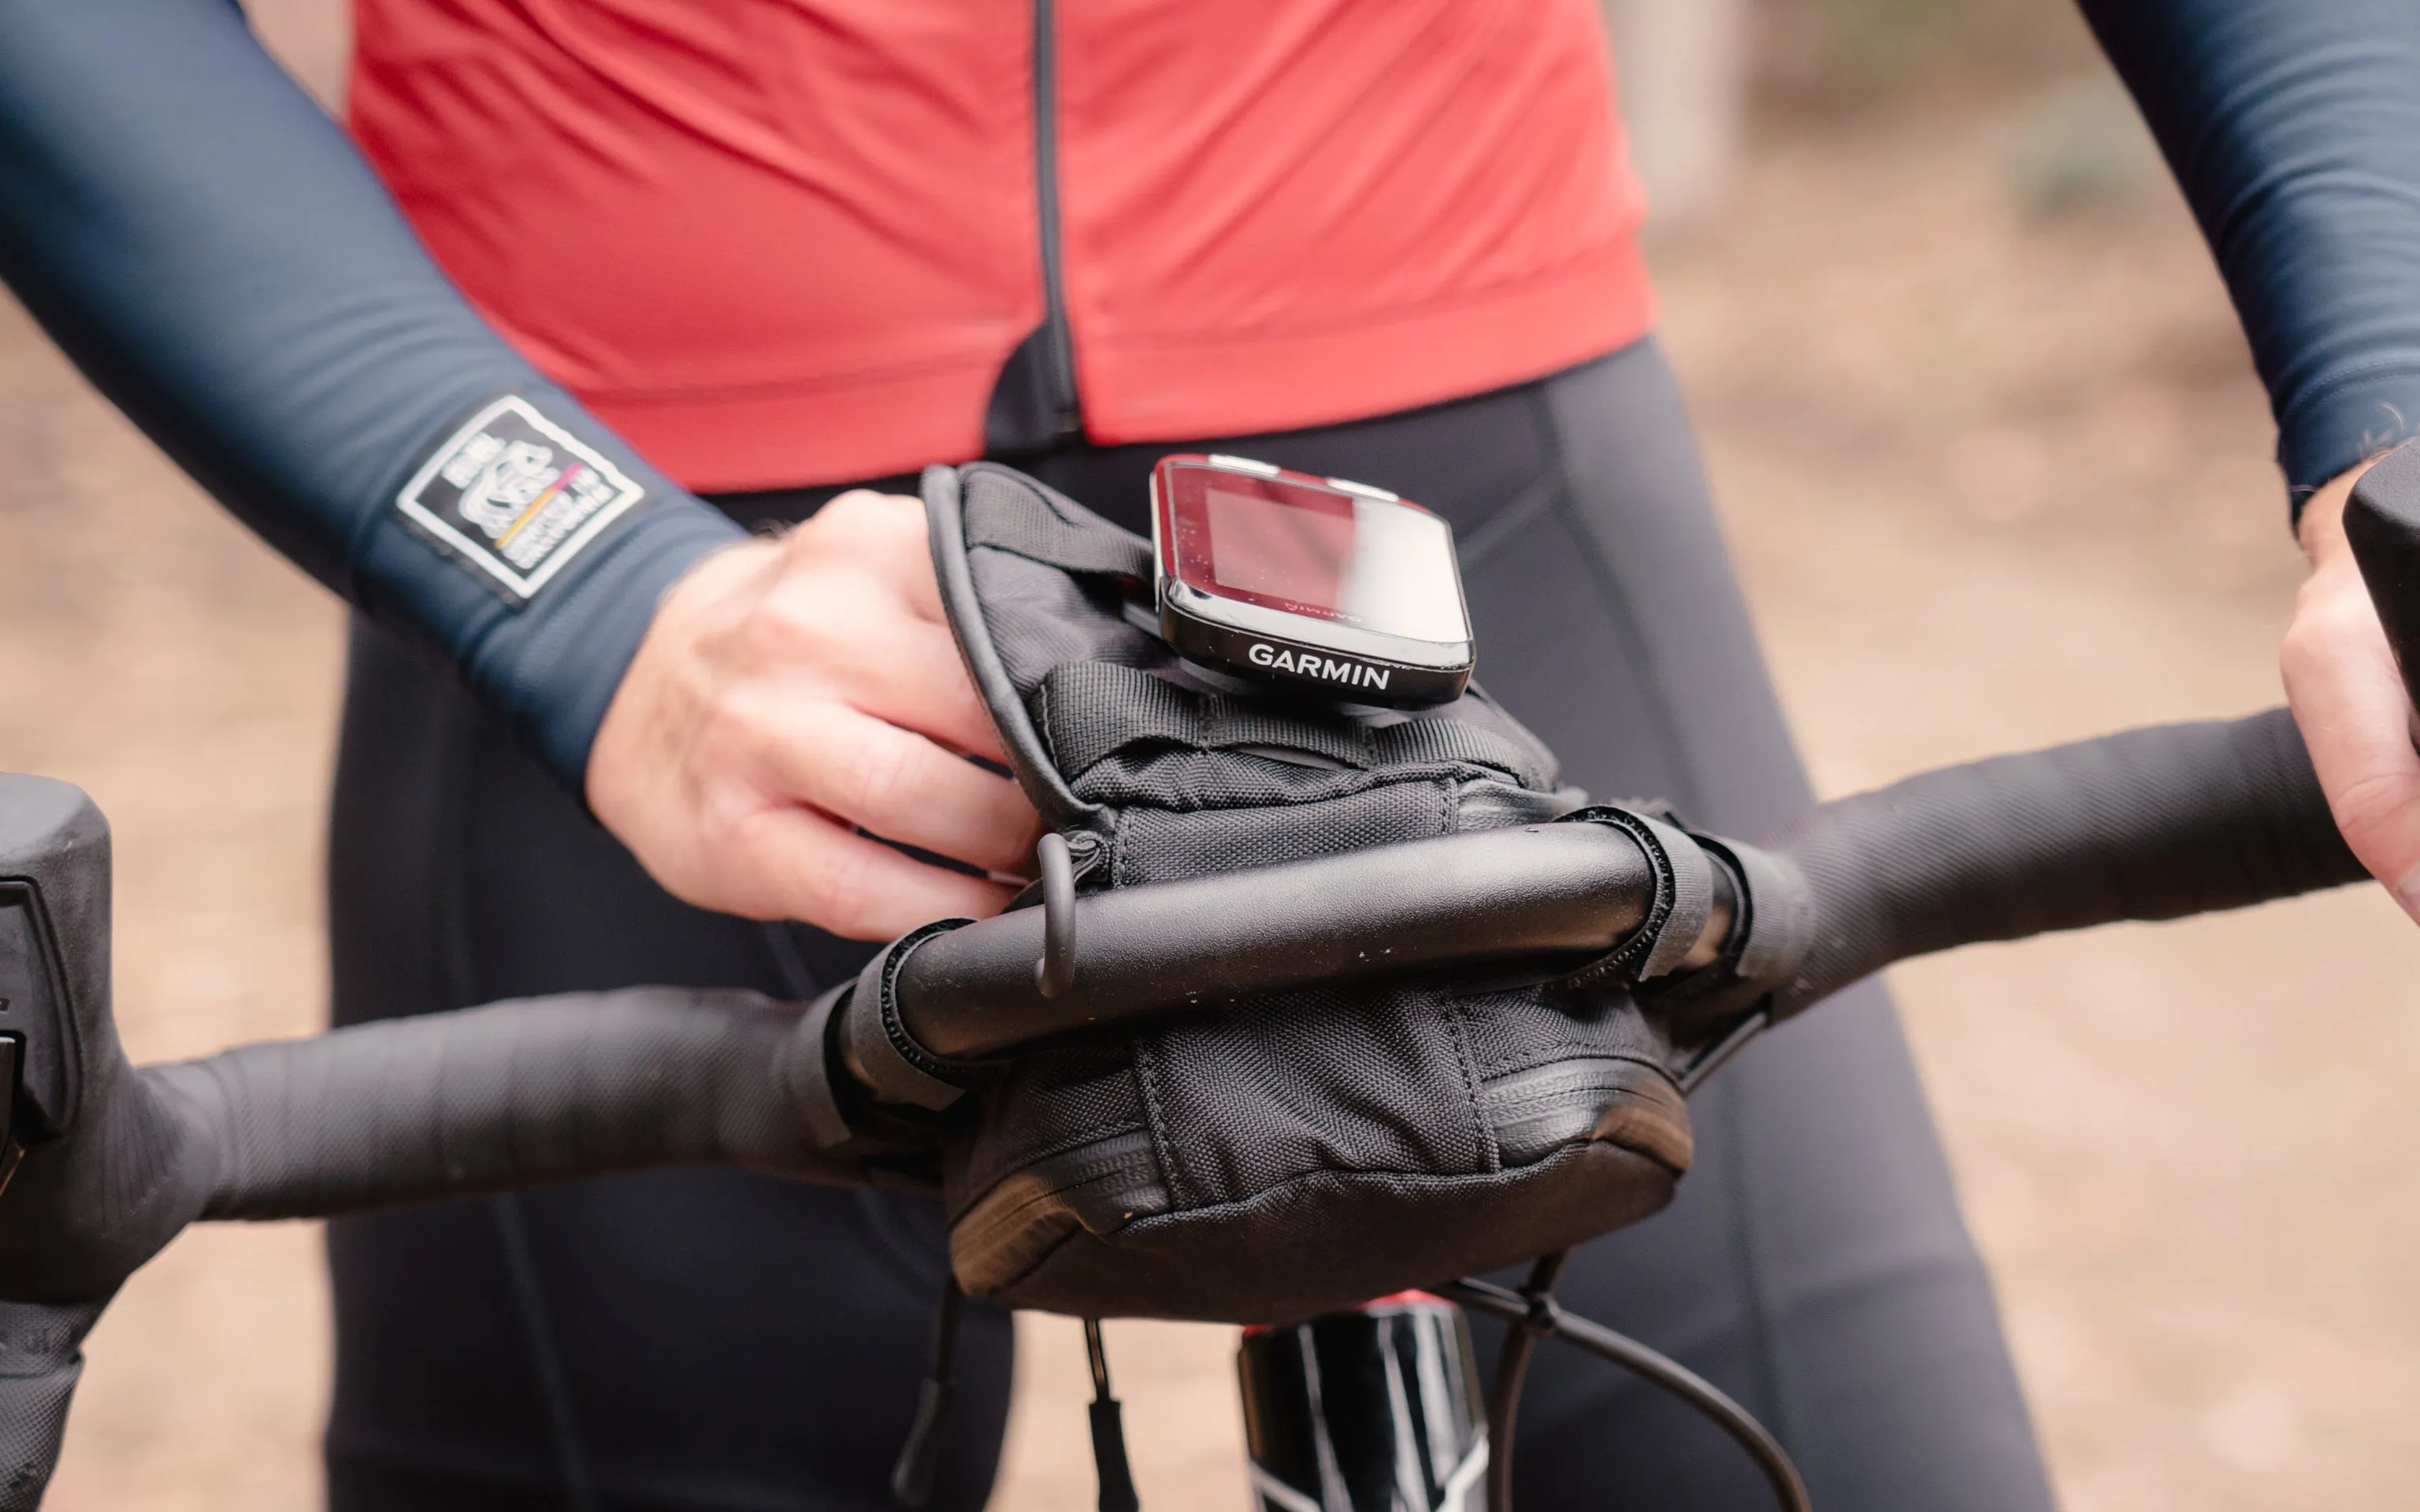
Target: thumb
(2349, 701)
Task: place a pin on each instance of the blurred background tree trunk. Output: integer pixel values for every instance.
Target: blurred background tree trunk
(1683, 66)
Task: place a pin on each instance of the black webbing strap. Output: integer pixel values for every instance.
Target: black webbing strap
(1087, 711)
(886, 1060)
(1419, 742)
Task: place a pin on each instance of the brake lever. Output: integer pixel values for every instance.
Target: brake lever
(2382, 522)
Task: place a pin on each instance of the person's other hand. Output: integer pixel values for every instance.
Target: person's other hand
(790, 693)
(2349, 699)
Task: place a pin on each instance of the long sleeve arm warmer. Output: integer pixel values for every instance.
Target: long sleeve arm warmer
(207, 245)
(2294, 128)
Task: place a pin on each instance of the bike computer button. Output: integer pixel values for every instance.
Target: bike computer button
(1241, 464)
(1315, 585)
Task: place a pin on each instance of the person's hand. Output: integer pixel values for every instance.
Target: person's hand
(789, 694)
(2350, 703)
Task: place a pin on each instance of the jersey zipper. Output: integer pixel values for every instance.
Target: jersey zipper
(1067, 413)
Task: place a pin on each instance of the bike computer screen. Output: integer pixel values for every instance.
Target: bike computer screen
(1314, 584)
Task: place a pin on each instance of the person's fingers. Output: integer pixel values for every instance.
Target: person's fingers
(895, 782)
(910, 675)
(2350, 703)
(859, 605)
(843, 632)
(883, 534)
(790, 692)
(783, 861)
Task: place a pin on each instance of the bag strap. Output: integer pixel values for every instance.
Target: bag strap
(1086, 711)
(1420, 741)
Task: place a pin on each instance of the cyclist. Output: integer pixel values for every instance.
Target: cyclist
(786, 248)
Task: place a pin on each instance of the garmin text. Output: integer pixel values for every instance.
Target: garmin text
(1310, 664)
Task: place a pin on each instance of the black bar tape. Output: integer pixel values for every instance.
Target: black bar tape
(510, 1095)
(811, 1078)
(2146, 825)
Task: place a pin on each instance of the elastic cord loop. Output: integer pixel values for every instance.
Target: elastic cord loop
(1055, 971)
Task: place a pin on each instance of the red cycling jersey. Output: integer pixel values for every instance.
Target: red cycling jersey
(787, 242)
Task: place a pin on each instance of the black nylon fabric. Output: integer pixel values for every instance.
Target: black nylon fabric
(1304, 1151)
(1090, 710)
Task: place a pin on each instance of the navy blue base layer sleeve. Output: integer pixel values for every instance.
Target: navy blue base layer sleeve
(2294, 127)
(211, 250)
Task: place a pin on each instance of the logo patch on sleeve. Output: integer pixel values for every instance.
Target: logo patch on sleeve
(517, 496)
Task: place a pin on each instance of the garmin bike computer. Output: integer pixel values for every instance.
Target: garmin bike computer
(1315, 585)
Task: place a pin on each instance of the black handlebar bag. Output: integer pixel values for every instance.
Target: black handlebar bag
(1275, 1156)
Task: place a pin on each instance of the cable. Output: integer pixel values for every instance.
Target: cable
(1534, 1315)
(1715, 1057)
(920, 1456)
(1109, 1432)
(1534, 1302)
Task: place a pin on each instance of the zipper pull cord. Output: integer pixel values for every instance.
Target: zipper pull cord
(920, 1457)
(1108, 1430)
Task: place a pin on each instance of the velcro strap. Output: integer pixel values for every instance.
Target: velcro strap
(881, 1051)
(1779, 922)
(1684, 902)
(1089, 710)
(1770, 937)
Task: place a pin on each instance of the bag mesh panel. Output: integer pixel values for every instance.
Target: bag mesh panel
(1011, 515)
(1089, 709)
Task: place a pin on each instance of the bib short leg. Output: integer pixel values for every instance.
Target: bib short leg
(711, 1340)
(676, 1341)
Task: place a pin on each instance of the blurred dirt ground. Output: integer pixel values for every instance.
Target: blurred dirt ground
(1996, 473)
